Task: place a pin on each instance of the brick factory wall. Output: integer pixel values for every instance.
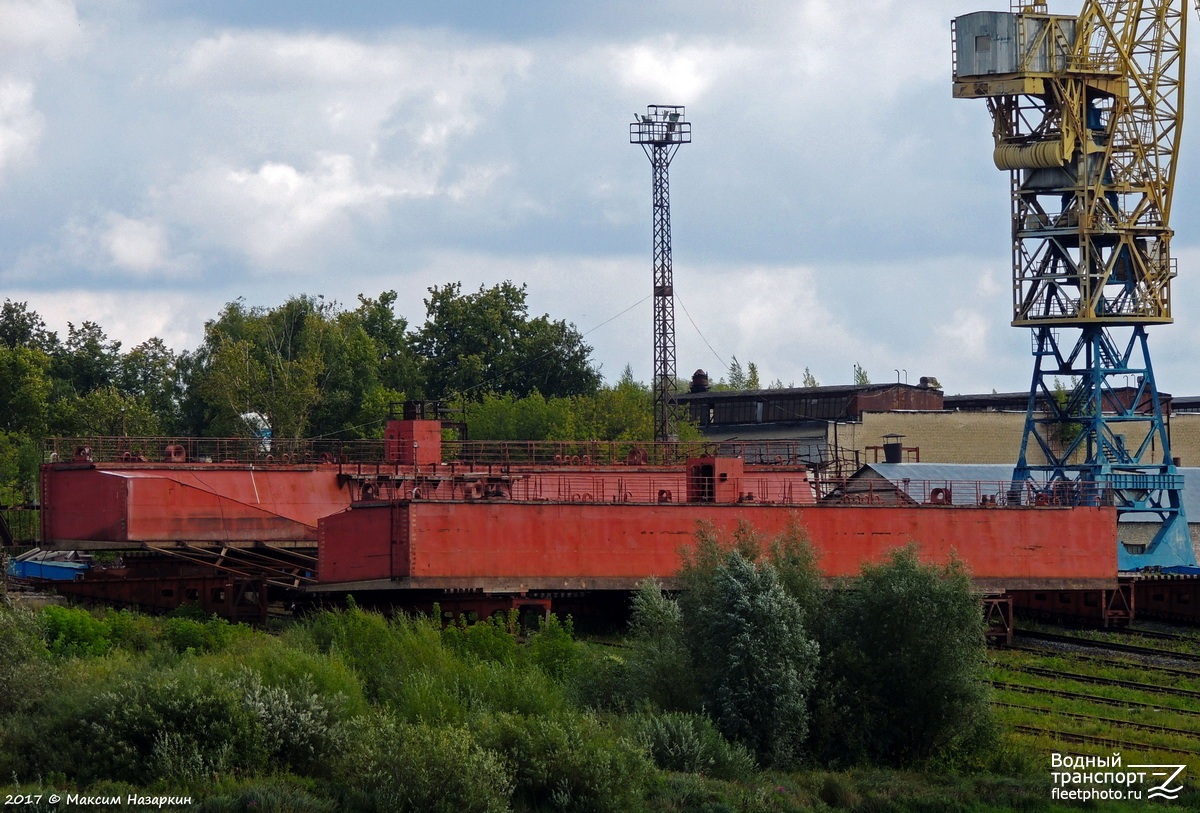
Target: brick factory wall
(946, 437)
(1185, 437)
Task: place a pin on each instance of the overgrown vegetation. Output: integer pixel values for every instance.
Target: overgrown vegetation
(753, 687)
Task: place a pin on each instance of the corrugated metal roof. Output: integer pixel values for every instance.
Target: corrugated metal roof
(917, 480)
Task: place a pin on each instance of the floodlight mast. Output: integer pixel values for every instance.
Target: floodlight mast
(660, 132)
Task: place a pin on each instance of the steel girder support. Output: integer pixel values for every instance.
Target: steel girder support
(1100, 438)
(664, 294)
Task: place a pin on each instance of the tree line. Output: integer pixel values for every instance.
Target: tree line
(309, 368)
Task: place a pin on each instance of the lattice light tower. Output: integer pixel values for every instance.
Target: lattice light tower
(660, 132)
(1087, 116)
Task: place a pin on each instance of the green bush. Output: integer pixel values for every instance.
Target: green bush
(553, 648)
(23, 658)
(279, 662)
(491, 687)
(384, 654)
(395, 767)
(690, 743)
(569, 763)
(493, 639)
(427, 696)
(181, 725)
(105, 718)
(277, 794)
(755, 662)
(22, 636)
(132, 631)
(298, 727)
(660, 669)
(602, 682)
(74, 632)
(906, 659)
(210, 635)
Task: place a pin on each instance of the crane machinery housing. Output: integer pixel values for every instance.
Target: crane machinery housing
(1087, 112)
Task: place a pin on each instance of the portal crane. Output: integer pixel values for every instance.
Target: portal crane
(1087, 113)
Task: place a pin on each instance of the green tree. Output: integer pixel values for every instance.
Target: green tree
(623, 411)
(754, 659)
(809, 380)
(105, 412)
(1067, 431)
(660, 667)
(21, 327)
(150, 372)
(905, 666)
(399, 366)
(752, 382)
(258, 360)
(88, 360)
(620, 412)
(506, 417)
(484, 342)
(20, 456)
(861, 379)
(26, 388)
(737, 378)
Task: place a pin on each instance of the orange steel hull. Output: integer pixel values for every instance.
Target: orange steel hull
(205, 505)
(565, 545)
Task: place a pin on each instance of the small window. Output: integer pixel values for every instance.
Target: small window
(167, 592)
(1064, 598)
(1090, 600)
(983, 44)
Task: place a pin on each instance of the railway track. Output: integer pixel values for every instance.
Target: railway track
(1091, 718)
(1091, 698)
(1103, 681)
(1134, 664)
(1129, 649)
(1107, 742)
(1031, 707)
(1156, 635)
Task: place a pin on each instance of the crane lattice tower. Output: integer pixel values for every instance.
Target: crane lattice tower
(1087, 116)
(660, 132)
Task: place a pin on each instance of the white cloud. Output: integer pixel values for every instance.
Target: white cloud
(107, 248)
(668, 72)
(277, 212)
(837, 205)
(139, 246)
(424, 90)
(130, 317)
(31, 32)
(20, 124)
(45, 27)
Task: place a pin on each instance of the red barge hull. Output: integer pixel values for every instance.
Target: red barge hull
(414, 515)
(518, 547)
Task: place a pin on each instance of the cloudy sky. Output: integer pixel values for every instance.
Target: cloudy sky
(159, 158)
